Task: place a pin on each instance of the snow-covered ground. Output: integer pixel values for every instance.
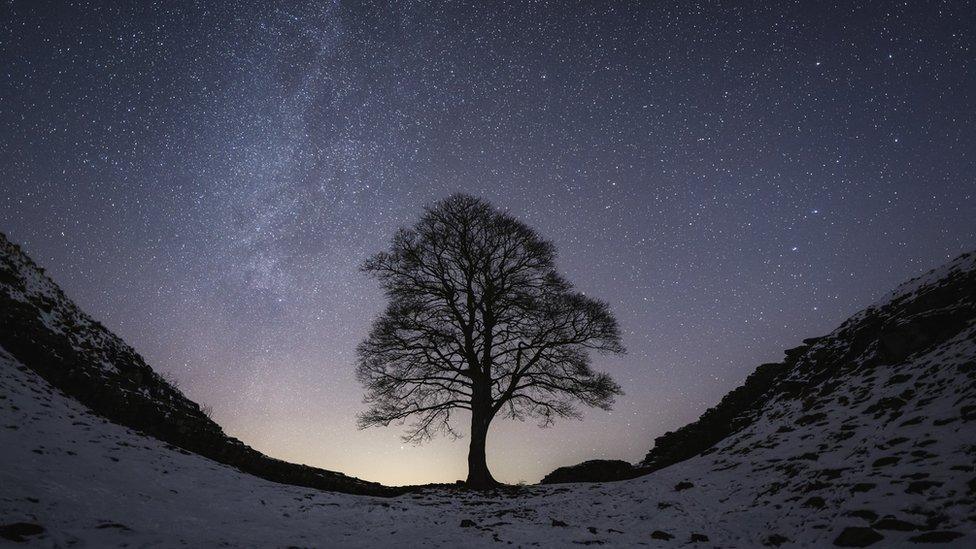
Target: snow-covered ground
(877, 445)
(88, 482)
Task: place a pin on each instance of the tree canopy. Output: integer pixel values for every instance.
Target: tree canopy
(478, 319)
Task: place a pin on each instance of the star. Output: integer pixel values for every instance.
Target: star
(207, 185)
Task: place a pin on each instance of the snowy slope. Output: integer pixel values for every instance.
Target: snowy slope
(870, 436)
(44, 330)
(83, 479)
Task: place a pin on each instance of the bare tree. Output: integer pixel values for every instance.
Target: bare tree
(478, 319)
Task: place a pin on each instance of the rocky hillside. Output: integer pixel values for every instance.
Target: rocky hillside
(736, 410)
(44, 330)
(875, 421)
(918, 317)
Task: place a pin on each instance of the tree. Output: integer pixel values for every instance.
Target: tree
(478, 319)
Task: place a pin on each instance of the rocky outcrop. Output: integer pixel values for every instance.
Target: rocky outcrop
(736, 410)
(917, 317)
(596, 470)
(733, 412)
(45, 331)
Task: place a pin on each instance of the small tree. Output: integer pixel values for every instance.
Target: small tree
(478, 319)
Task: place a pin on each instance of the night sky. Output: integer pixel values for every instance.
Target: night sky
(732, 177)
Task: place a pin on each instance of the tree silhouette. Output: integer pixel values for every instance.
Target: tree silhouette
(478, 319)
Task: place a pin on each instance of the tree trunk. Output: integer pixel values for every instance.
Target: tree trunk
(478, 475)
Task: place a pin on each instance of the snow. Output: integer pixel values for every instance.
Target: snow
(892, 443)
(87, 480)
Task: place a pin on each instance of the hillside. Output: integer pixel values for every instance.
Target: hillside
(864, 436)
(917, 316)
(868, 355)
(44, 330)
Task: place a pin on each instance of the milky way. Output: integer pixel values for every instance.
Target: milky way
(205, 178)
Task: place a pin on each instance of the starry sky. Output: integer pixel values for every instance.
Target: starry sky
(206, 177)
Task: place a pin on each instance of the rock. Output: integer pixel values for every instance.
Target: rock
(20, 531)
(775, 540)
(898, 378)
(468, 523)
(885, 405)
(891, 523)
(733, 412)
(558, 523)
(683, 485)
(857, 536)
(919, 486)
(899, 339)
(941, 536)
(698, 538)
(968, 413)
(816, 502)
(812, 418)
(116, 526)
(886, 461)
(597, 470)
(662, 535)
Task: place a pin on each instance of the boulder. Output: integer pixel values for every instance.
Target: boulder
(857, 536)
(597, 470)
